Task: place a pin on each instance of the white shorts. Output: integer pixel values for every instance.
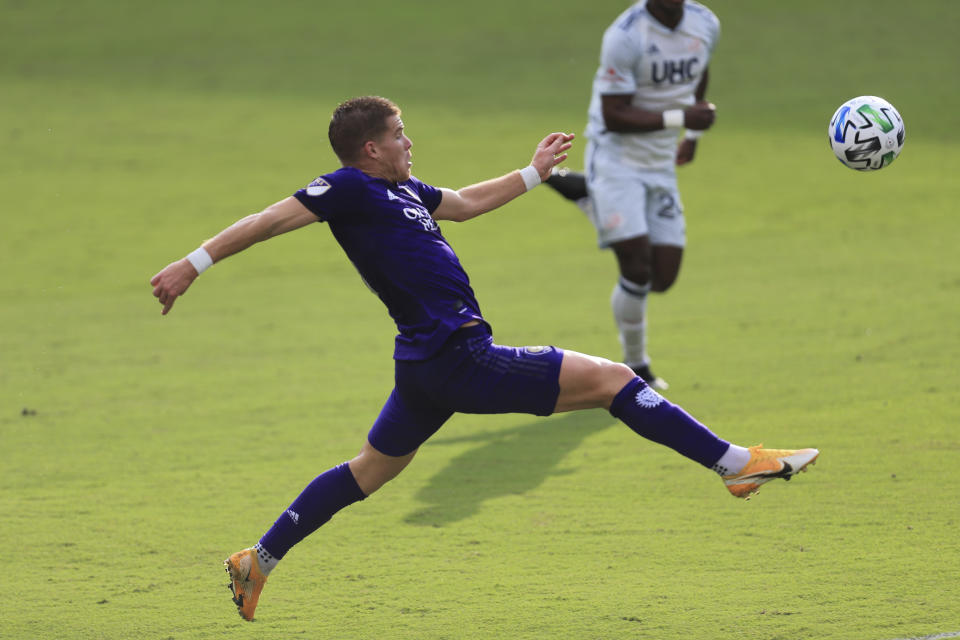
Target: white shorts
(626, 203)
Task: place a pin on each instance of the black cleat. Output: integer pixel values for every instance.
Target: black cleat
(570, 184)
(650, 377)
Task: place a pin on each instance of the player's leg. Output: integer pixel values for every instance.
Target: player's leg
(628, 301)
(490, 378)
(665, 261)
(657, 266)
(620, 205)
(402, 426)
(667, 228)
(373, 469)
(326, 494)
(648, 262)
(591, 382)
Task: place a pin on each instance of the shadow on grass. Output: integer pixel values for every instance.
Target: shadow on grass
(503, 463)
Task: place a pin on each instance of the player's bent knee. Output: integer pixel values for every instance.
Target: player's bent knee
(639, 274)
(373, 469)
(588, 382)
(618, 376)
(609, 379)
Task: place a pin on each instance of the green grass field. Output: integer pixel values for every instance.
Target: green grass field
(818, 306)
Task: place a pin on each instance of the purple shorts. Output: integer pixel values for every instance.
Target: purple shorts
(470, 374)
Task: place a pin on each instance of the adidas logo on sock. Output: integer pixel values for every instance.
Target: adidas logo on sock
(294, 516)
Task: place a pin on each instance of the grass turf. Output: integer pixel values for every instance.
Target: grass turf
(817, 307)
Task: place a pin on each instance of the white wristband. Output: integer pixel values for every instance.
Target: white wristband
(530, 175)
(200, 260)
(692, 134)
(673, 119)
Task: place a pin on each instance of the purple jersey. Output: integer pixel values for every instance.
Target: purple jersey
(387, 231)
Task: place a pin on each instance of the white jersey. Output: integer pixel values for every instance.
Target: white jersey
(660, 68)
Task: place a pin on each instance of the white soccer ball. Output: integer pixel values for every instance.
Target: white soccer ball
(866, 133)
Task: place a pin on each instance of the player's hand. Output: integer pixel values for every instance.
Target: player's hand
(172, 282)
(685, 151)
(550, 153)
(700, 116)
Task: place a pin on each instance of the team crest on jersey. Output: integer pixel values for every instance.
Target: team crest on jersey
(318, 187)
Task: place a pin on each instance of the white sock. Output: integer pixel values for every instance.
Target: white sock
(266, 561)
(629, 304)
(733, 461)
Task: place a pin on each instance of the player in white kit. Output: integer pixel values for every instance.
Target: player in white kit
(651, 83)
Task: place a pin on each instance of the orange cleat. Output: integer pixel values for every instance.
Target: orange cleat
(767, 464)
(246, 581)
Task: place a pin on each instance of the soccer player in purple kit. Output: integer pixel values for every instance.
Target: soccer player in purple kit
(445, 358)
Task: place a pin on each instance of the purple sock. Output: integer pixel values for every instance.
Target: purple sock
(329, 492)
(653, 417)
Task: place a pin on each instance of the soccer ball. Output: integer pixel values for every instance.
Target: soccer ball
(866, 133)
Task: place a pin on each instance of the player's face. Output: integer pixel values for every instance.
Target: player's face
(394, 147)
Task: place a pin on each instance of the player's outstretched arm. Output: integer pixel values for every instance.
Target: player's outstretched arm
(470, 202)
(174, 279)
